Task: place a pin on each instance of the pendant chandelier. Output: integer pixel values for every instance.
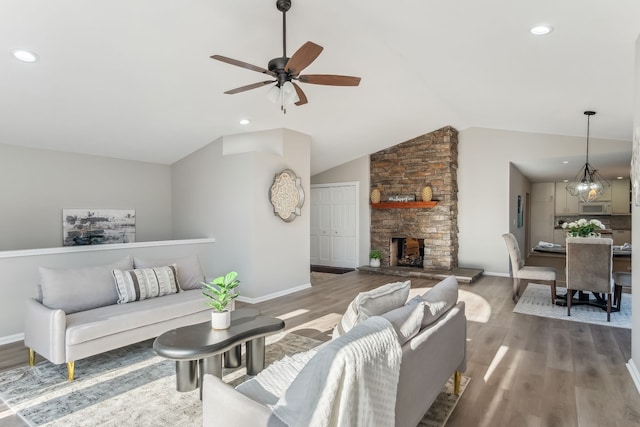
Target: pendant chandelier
(588, 184)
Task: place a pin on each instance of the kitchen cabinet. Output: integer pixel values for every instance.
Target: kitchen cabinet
(559, 236)
(566, 204)
(620, 197)
(620, 237)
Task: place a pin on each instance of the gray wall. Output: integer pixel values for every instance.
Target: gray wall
(222, 191)
(354, 171)
(20, 271)
(519, 185)
(488, 185)
(484, 157)
(37, 184)
(635, 230)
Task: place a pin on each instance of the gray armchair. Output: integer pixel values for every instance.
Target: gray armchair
(589, 268)
(527, 273)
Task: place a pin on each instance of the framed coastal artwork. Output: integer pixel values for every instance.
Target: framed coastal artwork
(98, 226)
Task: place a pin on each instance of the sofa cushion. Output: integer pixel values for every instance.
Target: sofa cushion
(104, 321)
(145, 283)
(439, 299)
(406, 320)
(78, 289)
(372, 303)
(190, 274)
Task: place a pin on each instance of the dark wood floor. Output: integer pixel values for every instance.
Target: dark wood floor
(525, 370)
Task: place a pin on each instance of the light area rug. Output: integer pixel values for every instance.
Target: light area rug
(536, 300)
(132, 386)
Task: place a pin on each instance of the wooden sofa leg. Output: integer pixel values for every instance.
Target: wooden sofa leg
(457, 377)
(70, 370)
(32, 357)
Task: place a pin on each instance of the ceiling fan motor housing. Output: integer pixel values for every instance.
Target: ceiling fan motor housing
(277, 65)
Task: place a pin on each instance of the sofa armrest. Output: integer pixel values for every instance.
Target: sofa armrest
(223, 405)
(45, 330)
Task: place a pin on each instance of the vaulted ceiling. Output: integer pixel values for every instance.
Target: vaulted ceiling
(133, 79)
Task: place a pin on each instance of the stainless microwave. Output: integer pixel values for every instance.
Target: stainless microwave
(595, 208)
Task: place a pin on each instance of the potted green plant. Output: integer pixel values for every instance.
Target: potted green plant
(374, 258)
(219, 293)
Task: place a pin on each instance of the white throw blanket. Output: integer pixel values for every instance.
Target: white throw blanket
(350, 382)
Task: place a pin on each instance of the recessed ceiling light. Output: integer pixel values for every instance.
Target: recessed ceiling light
(244, 122)
(541, 30)
(565, 180)
(25, 55)
(564, 162)
(620, 177)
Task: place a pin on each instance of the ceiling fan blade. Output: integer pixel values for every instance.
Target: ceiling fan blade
(243, 65)
(302, 58)
(249, 87)
(330, 80)
(301, 95)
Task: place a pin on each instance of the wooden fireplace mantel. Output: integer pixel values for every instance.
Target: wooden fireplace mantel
(403, 205)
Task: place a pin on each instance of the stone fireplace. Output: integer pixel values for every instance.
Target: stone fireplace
(406, 252)
(402, 232)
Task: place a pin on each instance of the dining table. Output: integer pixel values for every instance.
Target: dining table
(583, 298)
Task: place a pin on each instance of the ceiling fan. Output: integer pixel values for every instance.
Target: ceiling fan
(286, 71)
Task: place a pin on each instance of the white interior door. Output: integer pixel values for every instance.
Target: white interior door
(334, 225)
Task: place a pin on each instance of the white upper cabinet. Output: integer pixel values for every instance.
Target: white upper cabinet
(620, 197)
(566, 204)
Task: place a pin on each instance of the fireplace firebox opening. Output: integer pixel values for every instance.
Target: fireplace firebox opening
(406, 252)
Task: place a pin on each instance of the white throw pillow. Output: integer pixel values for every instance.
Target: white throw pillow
(439, 299)
(407, 320)
(372, 303)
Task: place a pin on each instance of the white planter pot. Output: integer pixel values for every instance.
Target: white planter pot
(374, 262)
(220, 320)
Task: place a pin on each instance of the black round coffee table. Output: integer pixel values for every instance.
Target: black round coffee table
(198, 349)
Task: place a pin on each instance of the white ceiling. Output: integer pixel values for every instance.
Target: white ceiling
(133, 79)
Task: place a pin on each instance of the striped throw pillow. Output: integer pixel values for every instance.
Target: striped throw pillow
(145, 283)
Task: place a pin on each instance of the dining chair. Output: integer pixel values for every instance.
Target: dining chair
(621, 279)
(589, 268)
(527, 273)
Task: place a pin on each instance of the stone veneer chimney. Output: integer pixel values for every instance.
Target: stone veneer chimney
(428, 160)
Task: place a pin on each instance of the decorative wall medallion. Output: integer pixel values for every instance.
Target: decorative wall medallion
(287, 195)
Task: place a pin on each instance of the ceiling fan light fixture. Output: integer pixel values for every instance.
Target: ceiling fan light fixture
(289, 93)
(588, 184)
(274, 94)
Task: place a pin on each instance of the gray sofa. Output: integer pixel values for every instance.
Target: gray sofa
(433, 347)
(76, 313)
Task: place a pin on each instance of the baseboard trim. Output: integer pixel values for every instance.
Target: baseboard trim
(635, 374)
(492, 273)
(11, 339)
(274, 295)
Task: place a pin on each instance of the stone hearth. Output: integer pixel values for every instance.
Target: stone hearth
(405, 169)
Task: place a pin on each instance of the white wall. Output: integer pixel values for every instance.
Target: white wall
(37, 184)
(354, 171)
(222, 191)
(484, 157)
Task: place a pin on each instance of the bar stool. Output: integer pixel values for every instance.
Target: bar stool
(621, 280)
